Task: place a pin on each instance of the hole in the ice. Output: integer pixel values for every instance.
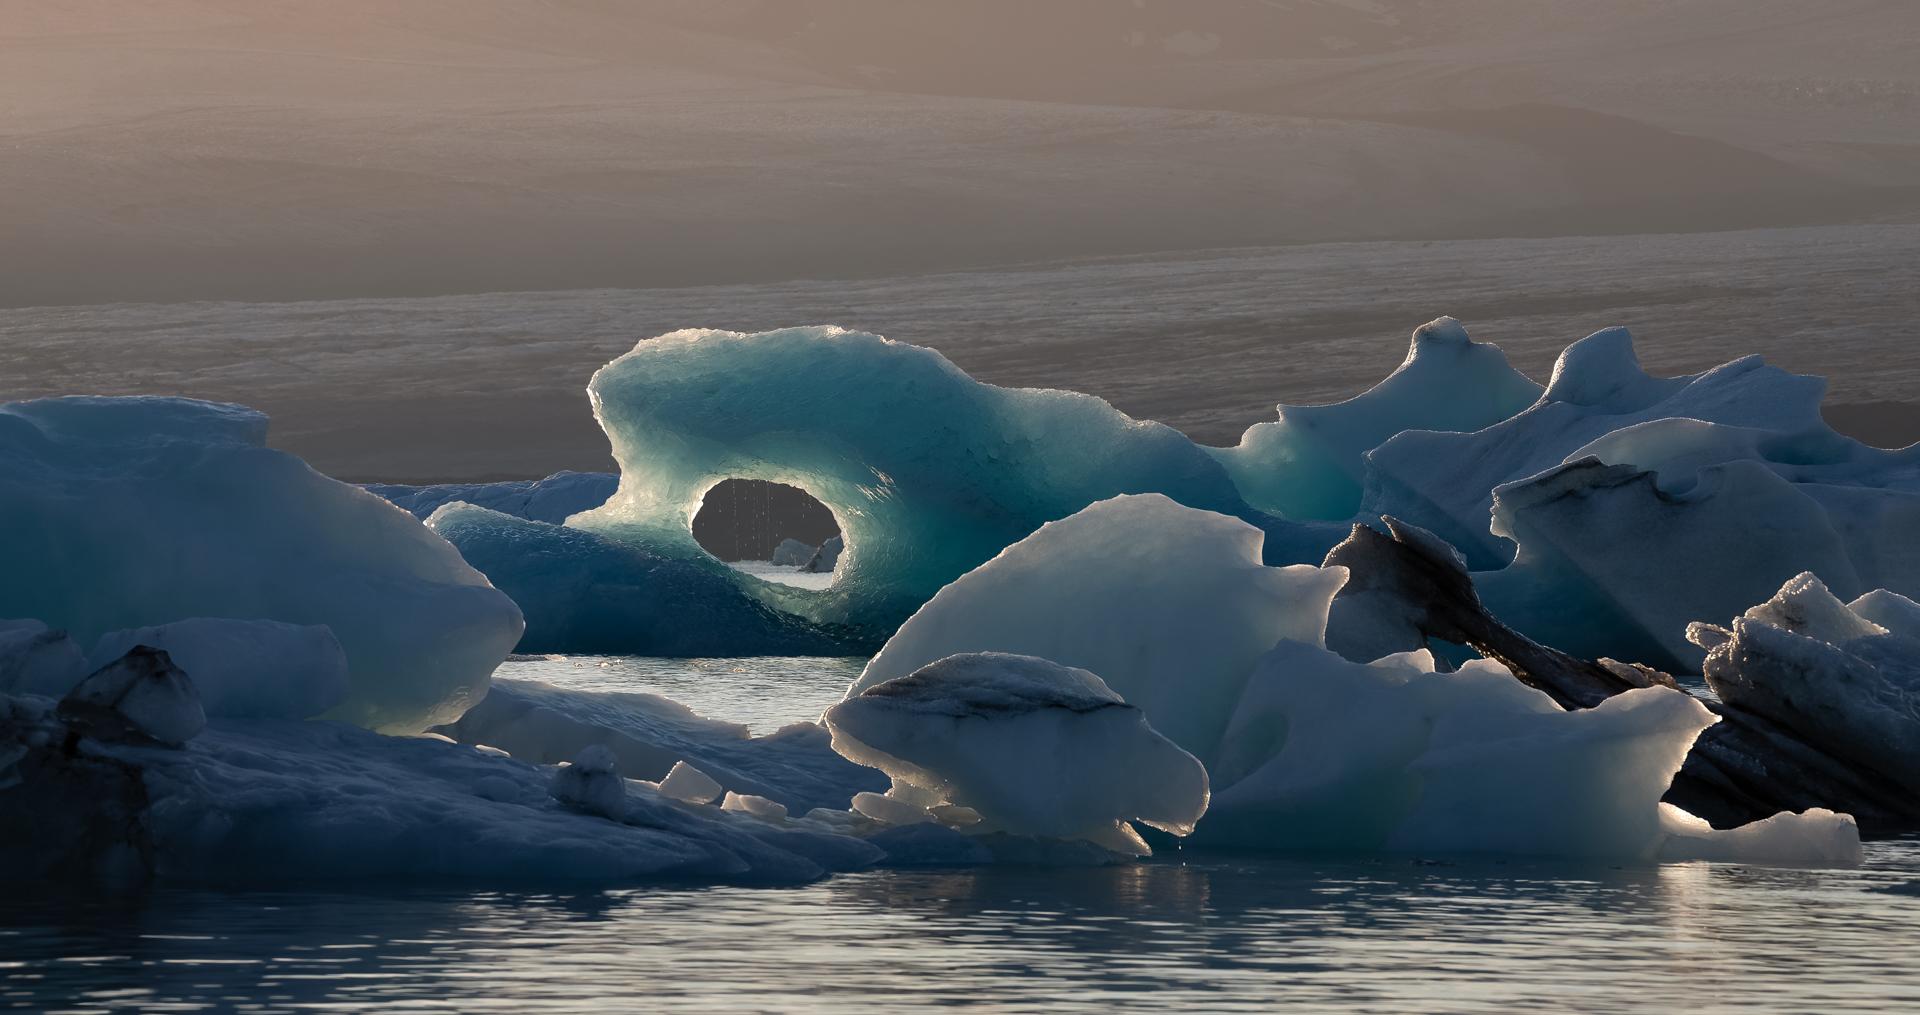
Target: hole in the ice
(745, 521)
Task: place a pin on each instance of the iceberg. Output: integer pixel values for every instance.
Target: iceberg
(553, 499)
(36, 659)
(927, 471)
(653, 738)
(1445, 482)
(793, 553)
(1827, 670)
(582, 592)
(1025, 746)
(269, 801)
(1312, 462)
(1170, 605)
(251, 669)
(134, 512)
(1305, 749)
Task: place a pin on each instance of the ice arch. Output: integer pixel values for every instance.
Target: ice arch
(928, 471)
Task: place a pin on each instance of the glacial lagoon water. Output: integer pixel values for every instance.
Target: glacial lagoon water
(1186, 931)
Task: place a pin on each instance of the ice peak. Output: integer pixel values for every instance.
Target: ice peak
(1596, 368)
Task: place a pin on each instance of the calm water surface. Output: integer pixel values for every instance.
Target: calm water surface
(1189, 932)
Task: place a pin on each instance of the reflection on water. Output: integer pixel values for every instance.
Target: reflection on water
(1207, 934)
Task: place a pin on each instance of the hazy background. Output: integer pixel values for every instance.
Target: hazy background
(1195, 208)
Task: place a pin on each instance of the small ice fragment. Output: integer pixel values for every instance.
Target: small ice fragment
(755, 806)
(685, 782)
(591, 783)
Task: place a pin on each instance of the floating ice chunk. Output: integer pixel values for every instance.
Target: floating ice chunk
(582, 592)
(146, 511)
(1033, 747)
(265, 801)
(140, 693)
(1611, 565)
(1325, 753)
(553, 499)
(889, 810)
(1444, 482)
(1311, 463)
(685, 782)
(652, 736)
(1806, 661)
(35, 659)
(928, 471)
(826, 559)
(592, 784)
(1817, 837)
(754, 806)
(246, 668)
(1170, 605)
(1889, 610)
(793, 553)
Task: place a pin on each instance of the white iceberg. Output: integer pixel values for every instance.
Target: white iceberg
(1305, 749)
(1171, 606)
(132, 512)
(1027, 746)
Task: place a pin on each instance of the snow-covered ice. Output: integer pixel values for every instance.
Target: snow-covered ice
(145, 511)
(1031, 747)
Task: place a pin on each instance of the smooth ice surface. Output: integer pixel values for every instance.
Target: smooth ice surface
(582, 592)
(1311, 463)
(928, 471)
(553, 499)
(254, 669)
(1328, 754)
(131, 512)
(1170, 605)
(1444, 482)
(1032, 747)
(649, 735)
